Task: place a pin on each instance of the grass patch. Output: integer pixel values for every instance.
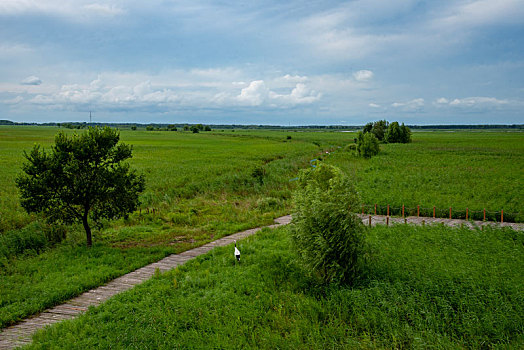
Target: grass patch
(474, 170)
(426, 287)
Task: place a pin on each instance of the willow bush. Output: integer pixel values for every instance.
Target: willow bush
(325, 231)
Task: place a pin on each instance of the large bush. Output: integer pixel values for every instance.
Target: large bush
(325, 231)
(367, 145)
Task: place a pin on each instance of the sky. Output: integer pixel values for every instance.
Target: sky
(315, 62)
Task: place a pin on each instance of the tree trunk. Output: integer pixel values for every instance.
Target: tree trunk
(87, 229)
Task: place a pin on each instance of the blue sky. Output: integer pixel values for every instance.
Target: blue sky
(263, 62)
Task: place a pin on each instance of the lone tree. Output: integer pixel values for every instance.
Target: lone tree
(83, 178)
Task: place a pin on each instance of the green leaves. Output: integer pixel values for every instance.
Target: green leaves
(325, 232)
(367, 145)
(81, 178)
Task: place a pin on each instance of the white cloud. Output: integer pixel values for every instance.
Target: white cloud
(442, 101)
(301, 94)
(295, 78)
(31, 80)
(374, 105)
(255, 94)
(363, 75)
(415, 104)
(477, 101)
(170, 90)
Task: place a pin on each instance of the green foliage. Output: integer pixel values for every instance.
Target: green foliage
(367, 145)
(82, 179)
(133, 127)
(326, 232)
(194, 129)
(397, 133)
(32, 239)
(406, 134)
(150, 128)
(171, 127)
(378, 129)
(432, 287)
(207, 128)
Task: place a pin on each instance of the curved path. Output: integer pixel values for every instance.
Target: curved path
(21, 333)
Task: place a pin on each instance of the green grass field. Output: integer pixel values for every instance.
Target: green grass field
(208, 185)
(424, 288)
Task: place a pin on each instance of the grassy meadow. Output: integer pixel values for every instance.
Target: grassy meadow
(426, 287)
(207, 185)
(202, 187)
(475, 170)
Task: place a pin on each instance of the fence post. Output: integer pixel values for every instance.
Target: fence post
(418, 211)
(433, 212)
(388, 210)
(450, 213)
(375, 208)
(370, 221)
(484, 214)
(467, 214)
(502, 216)
(402, 210)
(387, 220)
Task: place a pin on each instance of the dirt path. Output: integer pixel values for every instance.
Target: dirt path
(21, 333)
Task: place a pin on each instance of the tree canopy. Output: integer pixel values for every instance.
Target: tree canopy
(82, 179)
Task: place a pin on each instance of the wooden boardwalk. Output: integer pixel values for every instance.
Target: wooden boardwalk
(415, 220)
(21, 333)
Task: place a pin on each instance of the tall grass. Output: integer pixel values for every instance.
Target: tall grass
(426, 287)
(474, 170)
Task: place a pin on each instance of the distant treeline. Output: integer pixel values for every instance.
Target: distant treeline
(81, 125)
(483, 126)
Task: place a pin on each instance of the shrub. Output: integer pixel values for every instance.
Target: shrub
(35, 237)
(325, 231)
(367, 145)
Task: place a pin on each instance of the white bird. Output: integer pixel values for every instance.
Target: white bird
(237, 252)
